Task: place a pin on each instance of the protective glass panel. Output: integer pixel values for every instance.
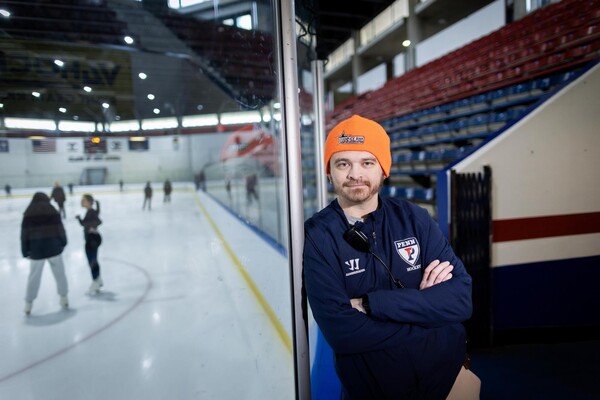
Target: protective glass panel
(171, 279)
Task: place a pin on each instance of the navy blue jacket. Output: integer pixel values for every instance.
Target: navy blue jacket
(412, 345)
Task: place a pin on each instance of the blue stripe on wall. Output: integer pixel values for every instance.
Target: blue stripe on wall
(442, 190)
(547, 294)
(324, 382)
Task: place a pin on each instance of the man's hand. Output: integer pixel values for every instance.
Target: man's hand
(435, 273)
(357, 304)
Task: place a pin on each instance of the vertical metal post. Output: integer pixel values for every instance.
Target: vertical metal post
(357, 62)
(470, 236)
(290, 110)
(413, 32)
(319, 113)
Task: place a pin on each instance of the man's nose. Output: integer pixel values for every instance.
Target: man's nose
(355, 172)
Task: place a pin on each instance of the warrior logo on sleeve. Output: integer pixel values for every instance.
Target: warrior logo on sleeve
(408, 249)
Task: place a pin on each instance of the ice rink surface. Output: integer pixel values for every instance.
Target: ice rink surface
(176, 318)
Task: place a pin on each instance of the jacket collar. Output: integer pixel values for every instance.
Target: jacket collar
(375, 215)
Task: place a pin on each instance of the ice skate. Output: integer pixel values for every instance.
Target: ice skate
(95, 286)
(64, 301)
(28, 307)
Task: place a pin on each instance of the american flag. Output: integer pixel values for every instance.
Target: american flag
(44, 145)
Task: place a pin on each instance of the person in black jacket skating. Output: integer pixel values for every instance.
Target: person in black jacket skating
(43, 238)
(58, 195)
(90, 223)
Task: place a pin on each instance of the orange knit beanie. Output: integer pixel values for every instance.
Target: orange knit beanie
(360, 134)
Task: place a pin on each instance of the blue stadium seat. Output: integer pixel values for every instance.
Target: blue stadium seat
(562, 78)
(499, 117)
(310, 191)
(463, 103)
(401, 157)
(479, 99)
(459, 125)
(479, 119)
(444, 127)
(494, 95)
(423, 194)
(524, 87)
(541, 84)
(448, 154)
(408, 193)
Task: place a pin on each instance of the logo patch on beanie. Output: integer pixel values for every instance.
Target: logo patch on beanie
(344, 139)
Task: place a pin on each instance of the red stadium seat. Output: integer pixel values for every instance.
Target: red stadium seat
(560, 35)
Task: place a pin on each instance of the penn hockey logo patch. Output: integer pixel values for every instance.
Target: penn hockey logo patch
(345, 139)
(408, 249)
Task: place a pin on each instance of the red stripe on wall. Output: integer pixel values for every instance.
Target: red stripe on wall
(542, 227)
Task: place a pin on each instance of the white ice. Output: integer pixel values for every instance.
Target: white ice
(175, 320)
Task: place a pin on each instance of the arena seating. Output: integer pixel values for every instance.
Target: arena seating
(248, 73)
(532, 47)
(440, 112)
(65, 21)
(424, 142)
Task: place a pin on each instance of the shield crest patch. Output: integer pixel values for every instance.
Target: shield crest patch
(408, 249)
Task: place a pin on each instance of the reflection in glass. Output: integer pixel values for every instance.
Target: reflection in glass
(104, 96)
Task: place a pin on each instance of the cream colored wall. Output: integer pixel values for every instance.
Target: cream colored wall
(20, 167)
(547, 164)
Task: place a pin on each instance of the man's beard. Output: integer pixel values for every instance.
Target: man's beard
(358, 195)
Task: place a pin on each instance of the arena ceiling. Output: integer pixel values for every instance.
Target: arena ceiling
(334, 21)
(35, 40)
